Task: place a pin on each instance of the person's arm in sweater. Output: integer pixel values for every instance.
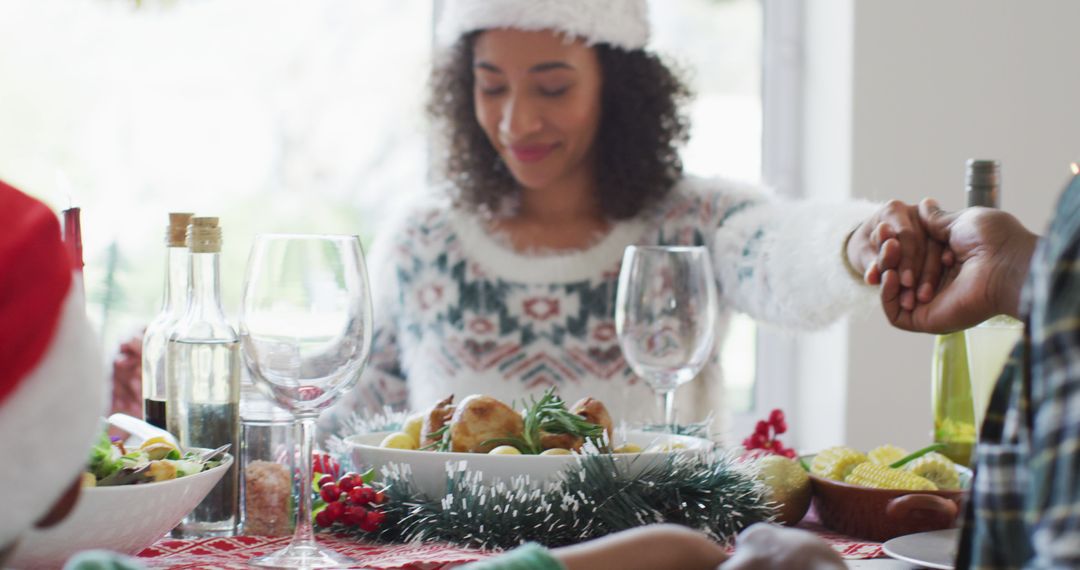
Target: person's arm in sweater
(804, 264)
(654, 547)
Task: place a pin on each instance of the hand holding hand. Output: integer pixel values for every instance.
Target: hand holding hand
(894, 239)
(987, 260)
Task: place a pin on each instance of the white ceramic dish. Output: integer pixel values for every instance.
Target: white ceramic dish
(429, 468)
(124, 519)
(934, 549)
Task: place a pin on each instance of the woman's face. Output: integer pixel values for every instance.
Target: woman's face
(538, 99)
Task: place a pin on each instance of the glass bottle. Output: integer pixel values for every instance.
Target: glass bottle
(174, 302)
(954, 409)
(203, 379)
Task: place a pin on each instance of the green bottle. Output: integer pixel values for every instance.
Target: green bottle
(954, 410)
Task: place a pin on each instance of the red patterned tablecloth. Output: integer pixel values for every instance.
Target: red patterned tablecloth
(848, 547)
(233, 553)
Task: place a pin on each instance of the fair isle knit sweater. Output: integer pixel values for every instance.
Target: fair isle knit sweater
(457, 311)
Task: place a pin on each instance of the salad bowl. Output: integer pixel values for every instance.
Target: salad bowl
(123, 518)
(429, 469)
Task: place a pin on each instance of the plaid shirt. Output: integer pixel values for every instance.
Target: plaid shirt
(1024, 510)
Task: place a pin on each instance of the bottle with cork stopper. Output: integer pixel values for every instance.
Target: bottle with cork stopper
(203, 379)
(173, 305)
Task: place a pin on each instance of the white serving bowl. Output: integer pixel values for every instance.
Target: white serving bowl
(429, 468)
(124, 519)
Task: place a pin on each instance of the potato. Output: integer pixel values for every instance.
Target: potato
(505, 450)
(398, 440)
(413, 425)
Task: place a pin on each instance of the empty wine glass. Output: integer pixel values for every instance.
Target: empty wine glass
(305, 327)
(666, 316)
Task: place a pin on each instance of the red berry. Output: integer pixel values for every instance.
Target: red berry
(325, 463)
(362, 495)
(354, 515)
(323, 519)
(380, 497)
(347, 483)
(780, 426)
(372, 521)
(325, 480)
(335, 510)
(762, 428)
(776, 416)
(330, 493)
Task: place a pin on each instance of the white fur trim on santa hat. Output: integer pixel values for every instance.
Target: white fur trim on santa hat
(620, 23)
(50, 421)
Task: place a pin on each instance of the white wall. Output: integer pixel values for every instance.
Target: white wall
(897, 96)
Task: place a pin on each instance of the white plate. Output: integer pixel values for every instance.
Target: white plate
(429, 468)
(934, 549)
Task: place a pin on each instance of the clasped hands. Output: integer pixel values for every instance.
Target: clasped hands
(941, 271)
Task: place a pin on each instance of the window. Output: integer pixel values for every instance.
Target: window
(271, 115)
(719, 44)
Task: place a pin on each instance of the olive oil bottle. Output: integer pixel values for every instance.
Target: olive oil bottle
(954, 408)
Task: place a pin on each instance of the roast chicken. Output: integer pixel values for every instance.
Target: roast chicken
(479, 419)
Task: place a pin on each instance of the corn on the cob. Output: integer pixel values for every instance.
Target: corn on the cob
(937, 468)
(882, 477)
(886, 454)
(836, 462)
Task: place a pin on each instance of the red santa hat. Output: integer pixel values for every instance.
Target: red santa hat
(52, 381)
(620, 23)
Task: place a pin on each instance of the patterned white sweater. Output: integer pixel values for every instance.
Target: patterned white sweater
(459, 312)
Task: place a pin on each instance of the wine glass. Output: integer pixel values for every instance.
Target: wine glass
(666, 314)
(305, 327)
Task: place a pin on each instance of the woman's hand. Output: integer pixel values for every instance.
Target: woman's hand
(894, 239)
(987, 261)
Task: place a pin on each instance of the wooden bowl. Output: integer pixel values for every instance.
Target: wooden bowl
(881, 514)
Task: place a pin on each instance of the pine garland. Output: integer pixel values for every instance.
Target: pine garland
(713, 492)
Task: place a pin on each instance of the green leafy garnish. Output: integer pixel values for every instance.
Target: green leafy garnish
(549, 415)
(913, 456)
(442, 440)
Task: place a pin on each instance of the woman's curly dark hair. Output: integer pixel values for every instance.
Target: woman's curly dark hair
(641, 129)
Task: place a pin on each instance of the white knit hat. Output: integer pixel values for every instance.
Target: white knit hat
(620, 23)
(52, 382)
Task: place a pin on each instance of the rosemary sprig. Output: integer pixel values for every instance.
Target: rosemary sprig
(549, 414)
(442, 440)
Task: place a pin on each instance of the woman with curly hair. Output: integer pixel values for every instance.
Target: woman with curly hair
(561, 137)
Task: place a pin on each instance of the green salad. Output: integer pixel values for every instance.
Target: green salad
(155, 460)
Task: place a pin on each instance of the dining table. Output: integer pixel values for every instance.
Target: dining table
(234, 552)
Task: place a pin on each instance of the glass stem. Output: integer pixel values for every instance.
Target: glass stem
(305, 434)
(667, 403)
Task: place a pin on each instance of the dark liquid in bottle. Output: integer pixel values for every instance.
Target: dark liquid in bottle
(154, 412)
